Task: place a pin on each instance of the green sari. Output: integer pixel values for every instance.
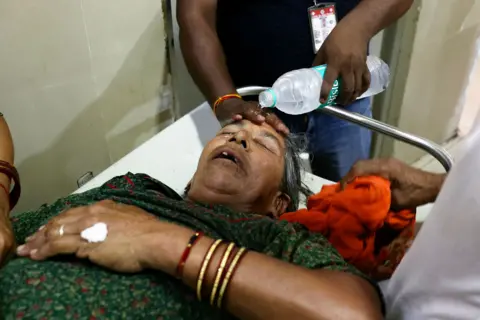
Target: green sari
(70, 288)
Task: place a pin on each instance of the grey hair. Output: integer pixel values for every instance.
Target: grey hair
(291, 184)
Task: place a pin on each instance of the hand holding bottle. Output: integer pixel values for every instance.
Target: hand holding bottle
(345, 54)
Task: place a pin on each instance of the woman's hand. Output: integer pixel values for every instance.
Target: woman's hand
(126, 248)
(410, 187)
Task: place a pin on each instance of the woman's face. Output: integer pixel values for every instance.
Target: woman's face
(242, 167)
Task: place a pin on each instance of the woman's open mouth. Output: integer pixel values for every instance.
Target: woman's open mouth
(230, 157)
(227, 156)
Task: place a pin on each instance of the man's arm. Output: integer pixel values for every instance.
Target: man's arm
(372, 16)
(206, 62)
(201, 48)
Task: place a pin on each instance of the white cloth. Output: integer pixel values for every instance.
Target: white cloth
(439, 277)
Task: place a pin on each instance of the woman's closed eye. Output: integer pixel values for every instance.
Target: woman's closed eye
(263, 141)
(267, 144)
(226, 133)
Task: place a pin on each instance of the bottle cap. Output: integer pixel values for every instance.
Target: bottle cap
(267, 99)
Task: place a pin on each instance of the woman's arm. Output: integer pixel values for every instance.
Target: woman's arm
(267, 288)
(6, 154)
(7, 240)
(261, 287)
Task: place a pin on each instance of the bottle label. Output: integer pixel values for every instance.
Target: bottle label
(332, 96)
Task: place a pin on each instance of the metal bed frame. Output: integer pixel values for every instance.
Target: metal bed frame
(432, 148)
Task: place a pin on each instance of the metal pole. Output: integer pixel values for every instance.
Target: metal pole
(432, 148)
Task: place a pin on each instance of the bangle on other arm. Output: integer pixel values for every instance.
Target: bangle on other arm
(12, 173)
(223, 98)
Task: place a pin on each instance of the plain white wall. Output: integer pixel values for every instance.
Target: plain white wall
(81, 84)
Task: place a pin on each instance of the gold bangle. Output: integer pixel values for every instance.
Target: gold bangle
(228, 276)
(220, 272)
(203, 269)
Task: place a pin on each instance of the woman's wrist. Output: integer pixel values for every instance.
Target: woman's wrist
(163, 249)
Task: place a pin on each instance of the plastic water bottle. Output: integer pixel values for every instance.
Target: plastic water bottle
(298, 91)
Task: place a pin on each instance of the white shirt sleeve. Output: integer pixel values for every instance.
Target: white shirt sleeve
(439, 277)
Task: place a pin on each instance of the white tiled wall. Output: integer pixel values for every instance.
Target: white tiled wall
(81, 84)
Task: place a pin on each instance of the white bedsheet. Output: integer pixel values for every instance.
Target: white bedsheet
(171, 156)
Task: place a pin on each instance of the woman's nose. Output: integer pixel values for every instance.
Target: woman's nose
(241, 138)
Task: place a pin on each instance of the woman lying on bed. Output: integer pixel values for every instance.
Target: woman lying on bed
(221, 244)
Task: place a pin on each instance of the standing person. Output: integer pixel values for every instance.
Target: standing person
(231, 43)
(439, 276)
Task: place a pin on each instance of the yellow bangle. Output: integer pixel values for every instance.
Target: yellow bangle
(204, 267)
(228, 276)
(220, 273)
(223, 98)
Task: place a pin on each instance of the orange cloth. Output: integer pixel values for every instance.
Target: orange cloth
(359, 224)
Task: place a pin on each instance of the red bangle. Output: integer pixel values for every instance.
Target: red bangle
(181, 264)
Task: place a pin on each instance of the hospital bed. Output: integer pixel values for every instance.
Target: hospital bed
(171, 156)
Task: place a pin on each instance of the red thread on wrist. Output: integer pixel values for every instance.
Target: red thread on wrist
(223, 98)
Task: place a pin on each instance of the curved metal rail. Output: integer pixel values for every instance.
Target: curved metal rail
(432, 148)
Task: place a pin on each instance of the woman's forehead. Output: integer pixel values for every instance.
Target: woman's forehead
(263, 129)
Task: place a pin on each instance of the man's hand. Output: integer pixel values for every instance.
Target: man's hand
(345, 54)
(237, 109)
(410, 187)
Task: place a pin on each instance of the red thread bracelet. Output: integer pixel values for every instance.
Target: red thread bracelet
(181, 264)
(223, 98)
